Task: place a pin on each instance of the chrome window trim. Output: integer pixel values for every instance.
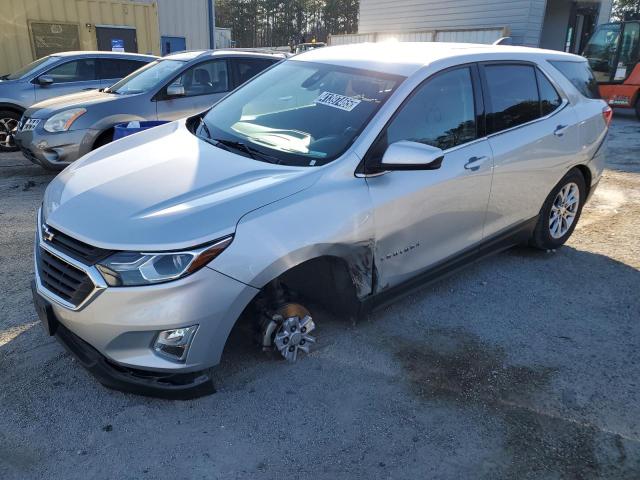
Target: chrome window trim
(91, 271)
(562, 106)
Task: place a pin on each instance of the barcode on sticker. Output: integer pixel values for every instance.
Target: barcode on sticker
(337, 101)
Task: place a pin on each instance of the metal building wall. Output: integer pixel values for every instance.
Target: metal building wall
(523, 17)
(185, 18)
(16, 48)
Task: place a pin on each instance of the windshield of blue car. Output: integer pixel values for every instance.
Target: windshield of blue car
(299, 113)
(147, 77)
(41, 62)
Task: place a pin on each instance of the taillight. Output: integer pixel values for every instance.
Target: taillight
(607, 114)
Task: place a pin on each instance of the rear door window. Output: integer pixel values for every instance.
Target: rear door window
(247, 68)
(513, 95)
(110, 68)
(125, 67)
(75, 71)
(580, 75)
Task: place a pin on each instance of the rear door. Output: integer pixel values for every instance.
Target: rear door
(204, 84)
(533, 134)
(69, 77)
(425, 217)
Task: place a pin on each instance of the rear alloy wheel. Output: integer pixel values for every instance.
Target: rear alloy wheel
(560, 212)
(8, 128)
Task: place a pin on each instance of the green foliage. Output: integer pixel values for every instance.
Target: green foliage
(625, 9)
(272, 23)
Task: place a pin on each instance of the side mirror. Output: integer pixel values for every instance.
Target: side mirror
(45, 80)
(175, 91)
(406, 155)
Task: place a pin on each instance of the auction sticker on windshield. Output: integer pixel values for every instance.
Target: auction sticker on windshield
(337, 101)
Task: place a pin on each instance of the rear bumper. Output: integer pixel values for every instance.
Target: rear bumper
(173, 386)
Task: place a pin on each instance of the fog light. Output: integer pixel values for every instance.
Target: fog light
(174, 344)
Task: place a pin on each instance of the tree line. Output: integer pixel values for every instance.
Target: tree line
(272, 23)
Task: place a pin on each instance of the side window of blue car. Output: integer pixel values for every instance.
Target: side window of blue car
(74, 71)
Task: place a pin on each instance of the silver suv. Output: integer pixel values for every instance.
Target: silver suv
(56, 75)
(57, 132)
(345, 175)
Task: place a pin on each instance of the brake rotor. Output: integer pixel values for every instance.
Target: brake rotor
(292, 334)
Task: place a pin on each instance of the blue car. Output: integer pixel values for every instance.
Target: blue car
(55, 75)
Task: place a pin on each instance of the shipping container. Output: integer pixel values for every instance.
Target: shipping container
(30, 29)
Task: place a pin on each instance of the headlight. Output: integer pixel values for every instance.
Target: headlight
(123, 269)
(61, 122)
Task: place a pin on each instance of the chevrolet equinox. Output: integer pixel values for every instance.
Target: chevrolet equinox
(344, 175)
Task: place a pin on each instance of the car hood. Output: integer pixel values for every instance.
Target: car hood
(164, 189)
(54, 105)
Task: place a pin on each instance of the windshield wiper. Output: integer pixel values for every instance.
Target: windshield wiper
(230, 145)
(252, 152)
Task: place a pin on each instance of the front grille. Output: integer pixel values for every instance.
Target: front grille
(28, 124)
(66, 281)
(75, 248)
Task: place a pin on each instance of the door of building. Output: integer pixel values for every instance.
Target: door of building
(173, 44)
(117, 39)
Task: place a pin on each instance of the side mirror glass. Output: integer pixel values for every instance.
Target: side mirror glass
(406, 155)
(45, 80)
(175, 91)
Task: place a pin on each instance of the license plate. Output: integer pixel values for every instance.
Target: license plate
(44, 311)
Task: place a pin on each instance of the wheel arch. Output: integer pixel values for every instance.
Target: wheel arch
(12, 106)
(587, 175)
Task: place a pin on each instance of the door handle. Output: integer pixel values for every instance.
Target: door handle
(474, 163)
(560, 129)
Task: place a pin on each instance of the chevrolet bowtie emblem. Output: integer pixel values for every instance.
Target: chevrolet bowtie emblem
(47, 234)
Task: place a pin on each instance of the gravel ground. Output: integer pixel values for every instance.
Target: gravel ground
(525, 365)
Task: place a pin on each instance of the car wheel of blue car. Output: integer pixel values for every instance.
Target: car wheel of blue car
(8, 126)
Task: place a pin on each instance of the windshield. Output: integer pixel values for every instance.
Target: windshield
(601, 50)
(41, 62)
(147, 77)
(300, 113)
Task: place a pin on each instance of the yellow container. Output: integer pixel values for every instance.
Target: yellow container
(30, 29)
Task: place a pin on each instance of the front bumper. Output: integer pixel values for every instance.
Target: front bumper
(55, 149)
(120, 325)
(173, 386)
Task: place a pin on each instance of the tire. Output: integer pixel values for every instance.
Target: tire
(103, 139)
(638, 107)
(558, 216)
(8, 123)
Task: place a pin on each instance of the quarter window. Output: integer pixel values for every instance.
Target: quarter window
(440, 113)
(580, 75)
(75, 71)
(549, 98)
(514, 96)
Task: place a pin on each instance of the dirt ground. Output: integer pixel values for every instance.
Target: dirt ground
(525, 365)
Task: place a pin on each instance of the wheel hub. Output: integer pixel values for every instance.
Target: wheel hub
(563, 210)
(8, 127)
(289, 331)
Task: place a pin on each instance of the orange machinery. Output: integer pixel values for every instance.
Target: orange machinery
(614, 55)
